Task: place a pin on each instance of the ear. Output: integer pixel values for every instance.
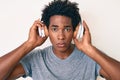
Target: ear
(76, 31)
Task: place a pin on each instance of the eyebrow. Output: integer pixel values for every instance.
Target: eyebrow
(54, 25)
(68, 26)
(58, 26)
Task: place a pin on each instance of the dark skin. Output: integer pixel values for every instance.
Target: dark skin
(61, 34)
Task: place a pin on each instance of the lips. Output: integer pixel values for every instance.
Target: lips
(60, 45)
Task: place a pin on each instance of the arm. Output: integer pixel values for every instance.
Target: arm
(9, 61)
(16, 73)
(110, 68)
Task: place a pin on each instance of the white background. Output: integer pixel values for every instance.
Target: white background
(102, 17)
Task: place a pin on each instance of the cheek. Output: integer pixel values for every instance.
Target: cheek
(69, 37)
(52, 37)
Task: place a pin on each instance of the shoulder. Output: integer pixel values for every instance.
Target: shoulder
(37, 53)
(82, 56)
(47, 49)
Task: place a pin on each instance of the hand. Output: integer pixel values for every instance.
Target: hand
(34, 38)
(85, 41)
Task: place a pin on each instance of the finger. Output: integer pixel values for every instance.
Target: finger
(85, 26)
(36, 24)
(40, 23)
(87, 32)
(76, 41)
(43, 31)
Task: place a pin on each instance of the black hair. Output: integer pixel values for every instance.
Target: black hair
(64, 8)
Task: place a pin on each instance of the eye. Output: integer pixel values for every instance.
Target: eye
(67, 29)
(54, 29)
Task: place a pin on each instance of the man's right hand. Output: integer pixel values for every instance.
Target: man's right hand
(34, 38)
(12, 58)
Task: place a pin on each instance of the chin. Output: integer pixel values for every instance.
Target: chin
(61, 49)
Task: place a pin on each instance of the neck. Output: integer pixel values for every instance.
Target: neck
(64, 54)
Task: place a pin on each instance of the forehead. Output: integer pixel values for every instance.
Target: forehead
(59, 19)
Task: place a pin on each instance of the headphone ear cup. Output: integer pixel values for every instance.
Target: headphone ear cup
(43, 33)
(40, 32)
(81, 31)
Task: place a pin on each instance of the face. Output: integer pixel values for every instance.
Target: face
(60, 32)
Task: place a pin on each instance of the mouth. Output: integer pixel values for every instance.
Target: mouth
(60, 45)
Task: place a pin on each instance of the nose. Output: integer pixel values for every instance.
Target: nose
(61, 35)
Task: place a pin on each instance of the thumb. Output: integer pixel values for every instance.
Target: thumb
(75, 41)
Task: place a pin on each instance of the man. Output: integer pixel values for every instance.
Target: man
(63, 60)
